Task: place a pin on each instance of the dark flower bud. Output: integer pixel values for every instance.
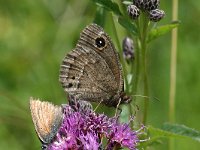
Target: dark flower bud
(133, 11)
(138, 3)
(147, 5)
(156, 15)
(128, 48)
(151, 4)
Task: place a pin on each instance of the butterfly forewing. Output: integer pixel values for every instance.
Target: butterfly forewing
(89, 37)
(47, 119)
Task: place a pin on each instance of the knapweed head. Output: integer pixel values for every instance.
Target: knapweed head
(83, 129)
(122, 136)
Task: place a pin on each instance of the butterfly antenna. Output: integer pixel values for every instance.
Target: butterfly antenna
(146, 97)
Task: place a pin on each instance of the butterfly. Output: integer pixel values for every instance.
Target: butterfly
(92, 71)
(47, 119)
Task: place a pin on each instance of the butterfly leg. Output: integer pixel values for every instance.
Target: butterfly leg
(98, 105)
(117, 108)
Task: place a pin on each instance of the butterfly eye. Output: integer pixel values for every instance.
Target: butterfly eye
(100, 42)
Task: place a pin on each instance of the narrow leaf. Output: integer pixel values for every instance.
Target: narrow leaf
(109, 5)
(182, 130)
(128, 25)
(100, 16)
(161, 30)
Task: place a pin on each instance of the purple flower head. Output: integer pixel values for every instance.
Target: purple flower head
(83, 129)
(90, 141)
(123, 136)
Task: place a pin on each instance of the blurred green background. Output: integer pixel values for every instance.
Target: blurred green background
(34, 37)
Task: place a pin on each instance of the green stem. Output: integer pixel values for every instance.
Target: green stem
(172, 91)
(144, 22)
(146, 93)
(173, 66)
(136, 64)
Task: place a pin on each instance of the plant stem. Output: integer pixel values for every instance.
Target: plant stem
(172, 92)
(144, 23)
(136, 64)
(173, 65)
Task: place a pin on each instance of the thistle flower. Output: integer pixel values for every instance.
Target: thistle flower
(83, 129)
(122, 135)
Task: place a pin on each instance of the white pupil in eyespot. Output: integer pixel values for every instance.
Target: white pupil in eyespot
(100, 42)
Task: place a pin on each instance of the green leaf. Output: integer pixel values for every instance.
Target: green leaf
(128, 25)
(100, 16)
(161, 30)
(109, 5)
(155, 136)
(170, 130)
(173, 130)
(182, 130)
(156, 132)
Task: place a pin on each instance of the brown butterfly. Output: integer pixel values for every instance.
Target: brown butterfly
(47, 119)
(92, 71)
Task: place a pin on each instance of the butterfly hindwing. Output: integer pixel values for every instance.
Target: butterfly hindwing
(92, 71)
(47, 119)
